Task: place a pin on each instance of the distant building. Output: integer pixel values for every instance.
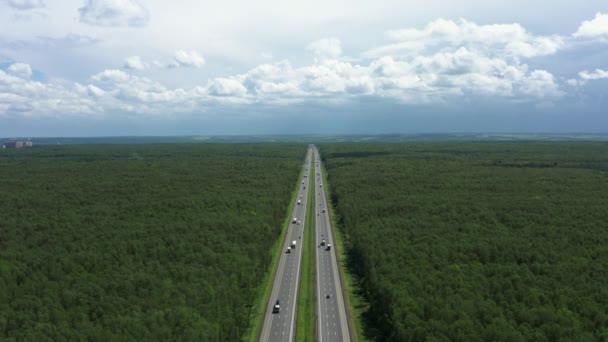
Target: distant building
(17, 144)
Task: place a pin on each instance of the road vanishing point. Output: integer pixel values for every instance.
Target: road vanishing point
(332, 323)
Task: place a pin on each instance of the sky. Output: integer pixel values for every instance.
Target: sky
(186, 67)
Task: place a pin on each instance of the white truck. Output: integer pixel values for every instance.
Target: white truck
(299, 202)
(293, 244)
(328, 247)
(294, 220)
(288, 250)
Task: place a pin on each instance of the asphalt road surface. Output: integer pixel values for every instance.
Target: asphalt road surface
(281, 326)
(331, 311)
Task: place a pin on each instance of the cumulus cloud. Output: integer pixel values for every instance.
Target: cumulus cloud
(114, 13)
(135, 63)
(21, 70)
(586, 76)
(598, 74)
(594, 28)
(111, 75)
(23, 5)
(26, 96)
(443, 62)
(329, 48)
(226, 87)
(506, 40)
(188, 59)
(181, 58)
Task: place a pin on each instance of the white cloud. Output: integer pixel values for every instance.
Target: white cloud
(226, 87)
(540, 84)
(134, 62)
(188, 59)
(25, 4)
(329, 48)
(506, 40)
(111, 75)
(114, 13)
(20, 69)
(597, 27)
(181, 58)
(70, 40)
(586, 76)
(598, 74)
(443, 62)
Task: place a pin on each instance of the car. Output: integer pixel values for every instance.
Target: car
(323, 210)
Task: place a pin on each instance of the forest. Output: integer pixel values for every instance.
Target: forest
(476, 241)
(138, 242)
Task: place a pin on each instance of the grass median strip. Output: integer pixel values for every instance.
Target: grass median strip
(307, 319)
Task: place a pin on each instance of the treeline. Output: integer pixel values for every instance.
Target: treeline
(450, 241)
(138, 242)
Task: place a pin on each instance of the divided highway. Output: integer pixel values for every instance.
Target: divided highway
(281, 325)
(331, 311)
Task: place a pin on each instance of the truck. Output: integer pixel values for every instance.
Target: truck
(323, 210)
(294, 220)
(277, 307)
(323, 242)
(293, 244)
(328, 247)
(299, 202)
(288, 250)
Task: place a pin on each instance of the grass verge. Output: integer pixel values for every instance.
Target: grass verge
(307, 318)
(356, 304)
(259, 306)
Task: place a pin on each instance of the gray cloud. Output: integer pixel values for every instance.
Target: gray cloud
(114, 13)
(68, 41)
(23, 5)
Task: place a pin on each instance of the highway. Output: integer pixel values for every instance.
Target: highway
(281, 326)
(331, 311)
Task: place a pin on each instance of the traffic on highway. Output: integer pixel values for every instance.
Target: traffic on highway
(332, 324)
(280, 320)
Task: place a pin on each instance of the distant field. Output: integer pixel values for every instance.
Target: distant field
(476, 241)
(138, 242)
(316, 139)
